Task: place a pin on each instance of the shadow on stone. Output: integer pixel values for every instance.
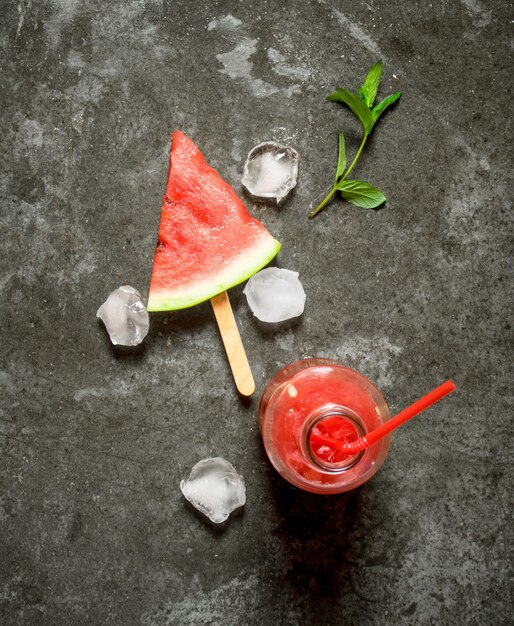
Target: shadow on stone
(320, 536)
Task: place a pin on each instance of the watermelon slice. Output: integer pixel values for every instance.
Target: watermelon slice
(208, 242)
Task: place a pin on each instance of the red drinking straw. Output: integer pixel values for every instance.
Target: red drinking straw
(420, 405)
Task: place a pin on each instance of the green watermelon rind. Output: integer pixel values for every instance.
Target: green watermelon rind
(246, 265)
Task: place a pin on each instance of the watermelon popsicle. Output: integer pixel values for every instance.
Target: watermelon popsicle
(207, 243)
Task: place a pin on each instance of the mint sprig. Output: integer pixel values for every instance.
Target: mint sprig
(358, 192)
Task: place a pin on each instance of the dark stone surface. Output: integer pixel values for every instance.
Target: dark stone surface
(94, 439)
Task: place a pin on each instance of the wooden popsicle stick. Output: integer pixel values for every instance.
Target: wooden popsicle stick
(233, 344)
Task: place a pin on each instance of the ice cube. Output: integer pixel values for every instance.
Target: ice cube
(214, 488)
(275, 295)
(125, 316)
(270, 170)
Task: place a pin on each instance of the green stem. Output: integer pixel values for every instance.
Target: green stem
(323, 202)
(355, 158)
(343, 177)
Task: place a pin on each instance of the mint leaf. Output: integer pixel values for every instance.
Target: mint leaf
(368, 91)
(377, 111)
(361, 194)
(355, 104)
(341, 160)
(357, 192)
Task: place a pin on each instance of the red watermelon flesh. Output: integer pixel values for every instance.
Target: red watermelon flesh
(208, 242)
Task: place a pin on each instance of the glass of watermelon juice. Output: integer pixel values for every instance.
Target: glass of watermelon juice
(311, 407)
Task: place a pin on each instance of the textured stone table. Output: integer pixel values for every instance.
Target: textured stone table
(94, 439)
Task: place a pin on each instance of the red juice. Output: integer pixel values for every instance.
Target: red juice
(307, 411)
